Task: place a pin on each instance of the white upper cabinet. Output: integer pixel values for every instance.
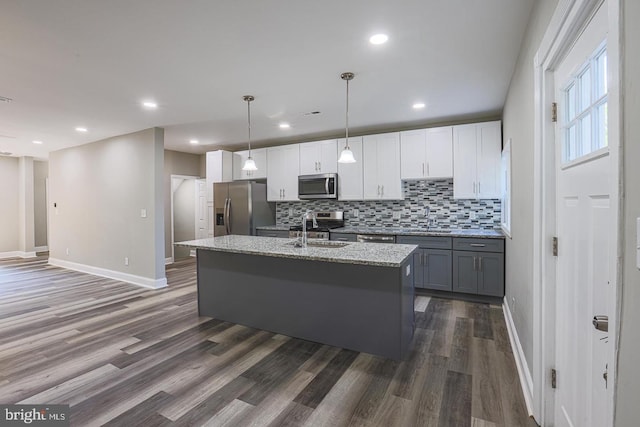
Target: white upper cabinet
(259, 156)
(318, 157)
(282, 173)
(426, 153)
(350, 184)
(219, 166)
(381, 167)
(476, 160)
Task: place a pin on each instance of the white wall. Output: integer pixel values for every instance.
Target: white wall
(99, 190)
(518, 124)
(8, 204)
(628, 376)
(184, 215)
(177, 163)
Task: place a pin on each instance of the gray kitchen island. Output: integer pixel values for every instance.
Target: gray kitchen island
(357, 296)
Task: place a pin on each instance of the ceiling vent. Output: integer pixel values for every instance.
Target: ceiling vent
(311, 113)
(5, 153)
(5, 99)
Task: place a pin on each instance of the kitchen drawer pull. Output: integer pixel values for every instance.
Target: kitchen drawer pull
(477, 245)
(342, 239)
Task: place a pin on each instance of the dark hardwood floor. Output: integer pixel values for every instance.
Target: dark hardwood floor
(121, 355)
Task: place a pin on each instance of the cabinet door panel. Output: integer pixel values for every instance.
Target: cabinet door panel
(389, 166)
(439, 152)
(464, 161)
(350, 184)
(371, 185)
(437, 269)
(413, 154)
(491, 274)
(309, 158)
(328, 160)
(489, 152)
(465, 276)
(418, 269)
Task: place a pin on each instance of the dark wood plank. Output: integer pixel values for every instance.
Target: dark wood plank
(456, 401)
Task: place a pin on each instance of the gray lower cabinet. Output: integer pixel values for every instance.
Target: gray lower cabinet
(478, 271)
(273, 233)
(431, 262)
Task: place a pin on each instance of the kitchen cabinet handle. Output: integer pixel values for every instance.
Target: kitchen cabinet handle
(428, 169)
(474, 264)
(382, 190)
(320, 166)
(479, 187)
(426, 260)
(423, 169)
(378, 190)
(477, 245)
(480, 264)
(474, 187)
(342, 239)
(284, 194)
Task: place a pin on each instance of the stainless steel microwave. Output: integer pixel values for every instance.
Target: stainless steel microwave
(322, 186)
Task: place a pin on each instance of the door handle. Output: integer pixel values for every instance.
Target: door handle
(227, 208)
(478, 187)
(378, 190)
(320, 166)
(479, 263)
(423, 169)
(477, 245)
(601, 323)
(382, 190)
(427, 168)
(474, 264)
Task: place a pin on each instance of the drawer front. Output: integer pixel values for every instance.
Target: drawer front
(478, 245)
(342, 237)
(425, 242)
(273, 233)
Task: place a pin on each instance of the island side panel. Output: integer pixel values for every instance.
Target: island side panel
(407, 310)
(360, 307)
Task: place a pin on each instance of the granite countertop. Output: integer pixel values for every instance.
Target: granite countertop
(374, 254)
(400, 231)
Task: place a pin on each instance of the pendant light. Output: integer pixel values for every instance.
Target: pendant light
(249, 164)
(346, 156)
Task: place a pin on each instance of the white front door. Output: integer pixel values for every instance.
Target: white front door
(584, 215)
(201, 209)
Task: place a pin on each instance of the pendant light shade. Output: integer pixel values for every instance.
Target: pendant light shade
(249, 164)
(346, 156)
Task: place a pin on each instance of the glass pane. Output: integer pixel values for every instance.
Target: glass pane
(571, 103)
(601, 66)
(585, 89)
(585, 135)
(570, 151)
(603, 140)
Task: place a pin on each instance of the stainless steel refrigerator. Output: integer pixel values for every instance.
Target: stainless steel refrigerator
(240, 207)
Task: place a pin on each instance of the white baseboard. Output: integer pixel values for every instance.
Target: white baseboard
(526, 381)
(111, 274)
(42, 248)
(17, 254)
(168, 260)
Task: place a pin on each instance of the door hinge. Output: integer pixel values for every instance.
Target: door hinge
(554, 376)
(555, 246)
(554, 112)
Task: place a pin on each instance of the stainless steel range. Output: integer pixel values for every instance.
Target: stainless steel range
(325, 222)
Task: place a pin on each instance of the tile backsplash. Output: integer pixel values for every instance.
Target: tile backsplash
(446, 212)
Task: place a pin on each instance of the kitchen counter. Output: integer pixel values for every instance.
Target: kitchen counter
(358, 297)
(372, 254)
(400, 231)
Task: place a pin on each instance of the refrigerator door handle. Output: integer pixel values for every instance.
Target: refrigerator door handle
(227, 208)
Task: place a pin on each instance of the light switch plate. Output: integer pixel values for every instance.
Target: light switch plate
(396, 215)
(143, 213)
(355, 213)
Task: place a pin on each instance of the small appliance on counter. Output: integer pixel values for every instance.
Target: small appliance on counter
(240, 207)
(325, 221)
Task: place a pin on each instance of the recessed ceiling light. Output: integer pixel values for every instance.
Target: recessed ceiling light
(418, 105)
(193, 141)
(150, 104)
(378, 39)
(37, 142)
(284, 125)
(81, 129)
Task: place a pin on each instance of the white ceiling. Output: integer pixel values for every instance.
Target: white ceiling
(69, 63)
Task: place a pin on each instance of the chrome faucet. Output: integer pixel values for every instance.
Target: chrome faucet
(430, 221)
(304, 225)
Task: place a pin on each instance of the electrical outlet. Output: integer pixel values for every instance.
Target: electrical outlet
(396, 215)
(143, 213)
(67, 251)
(355, 213)
(290, 211)
(513, 304)
(126, 260)
(472, 215)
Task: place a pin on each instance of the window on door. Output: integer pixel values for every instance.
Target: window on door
(584, 119)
